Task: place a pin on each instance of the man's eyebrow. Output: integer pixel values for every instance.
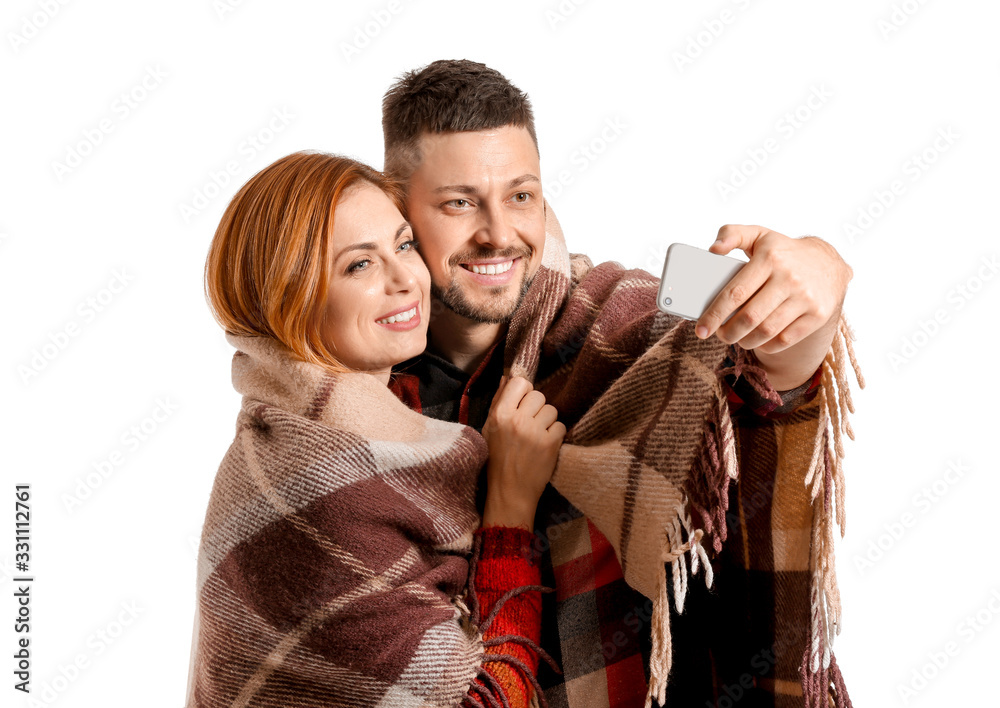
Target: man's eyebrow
(469, 189)
(518, 181)
(460, 188)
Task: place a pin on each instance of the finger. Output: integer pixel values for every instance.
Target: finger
(557, 430)
(754, 312)
(773, 325)
(532, 403)
(547, 416)
(500, 388)
(738, 236)
(799, 329)
(738, 290)
(507, 399)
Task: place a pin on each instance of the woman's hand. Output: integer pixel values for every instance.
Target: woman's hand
(524, 437)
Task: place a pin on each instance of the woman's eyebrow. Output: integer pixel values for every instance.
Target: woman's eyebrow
(369, 245)
(358, 247)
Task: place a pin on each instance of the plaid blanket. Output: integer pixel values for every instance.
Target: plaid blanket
(652, 448)
(335, 547)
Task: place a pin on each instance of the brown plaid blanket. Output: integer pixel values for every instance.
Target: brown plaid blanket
(652, 448)
(335, 547)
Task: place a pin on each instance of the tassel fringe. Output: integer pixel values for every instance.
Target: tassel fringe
(821, 676)
(661, 659)
(480, 626)
(708, 492)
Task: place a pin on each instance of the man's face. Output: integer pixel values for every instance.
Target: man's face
(475, 204)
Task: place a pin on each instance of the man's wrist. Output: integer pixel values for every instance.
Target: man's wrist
(795, 366)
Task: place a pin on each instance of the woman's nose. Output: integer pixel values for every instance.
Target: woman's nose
(401, 278)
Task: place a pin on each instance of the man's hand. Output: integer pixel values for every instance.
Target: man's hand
(789, 297)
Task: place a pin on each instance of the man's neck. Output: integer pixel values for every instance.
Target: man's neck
(463, 342)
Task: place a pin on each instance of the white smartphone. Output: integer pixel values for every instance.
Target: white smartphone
(692, 277)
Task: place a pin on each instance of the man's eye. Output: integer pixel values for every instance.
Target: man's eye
(358, 265)
(460, 203)
(522, 197)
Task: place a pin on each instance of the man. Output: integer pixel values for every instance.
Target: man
(461, 138)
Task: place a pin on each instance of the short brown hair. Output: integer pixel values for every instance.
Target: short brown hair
(454, 95)
(269, 265)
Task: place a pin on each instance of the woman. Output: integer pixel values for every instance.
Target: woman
(334, 552)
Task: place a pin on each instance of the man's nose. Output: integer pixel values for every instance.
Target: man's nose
(495, 229)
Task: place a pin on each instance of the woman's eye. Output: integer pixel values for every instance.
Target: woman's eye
(358, 265)
(410, 245)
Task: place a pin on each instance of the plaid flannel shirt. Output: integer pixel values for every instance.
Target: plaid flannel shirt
(594, 625)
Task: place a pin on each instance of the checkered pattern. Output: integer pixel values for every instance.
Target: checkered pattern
(333, 554)
(594, 625)
(651, 450)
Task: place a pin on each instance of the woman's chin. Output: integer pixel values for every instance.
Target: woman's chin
(397, 354)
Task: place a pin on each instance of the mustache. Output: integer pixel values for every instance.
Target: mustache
(487, 254)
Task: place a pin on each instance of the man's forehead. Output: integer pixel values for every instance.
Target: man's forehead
(506, 153)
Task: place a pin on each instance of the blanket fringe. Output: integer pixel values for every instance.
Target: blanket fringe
(818, 687)
(716, 466)
(480, 626)
(820, 674)
(709, 492)
(661, 659)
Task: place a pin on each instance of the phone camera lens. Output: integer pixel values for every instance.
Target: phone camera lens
(667, 301)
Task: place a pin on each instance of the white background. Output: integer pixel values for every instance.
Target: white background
(891, 77)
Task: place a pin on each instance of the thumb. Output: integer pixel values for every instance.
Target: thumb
(721, 245)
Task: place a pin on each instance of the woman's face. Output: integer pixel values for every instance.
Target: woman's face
(376, 312)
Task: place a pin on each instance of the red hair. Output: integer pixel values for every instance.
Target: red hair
(269, 264)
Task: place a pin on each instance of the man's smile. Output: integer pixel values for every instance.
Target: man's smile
(491, 272)
(495, 266)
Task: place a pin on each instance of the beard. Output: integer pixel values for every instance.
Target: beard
(497, 308)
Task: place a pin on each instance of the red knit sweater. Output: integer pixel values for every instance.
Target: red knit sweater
(504, 564)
